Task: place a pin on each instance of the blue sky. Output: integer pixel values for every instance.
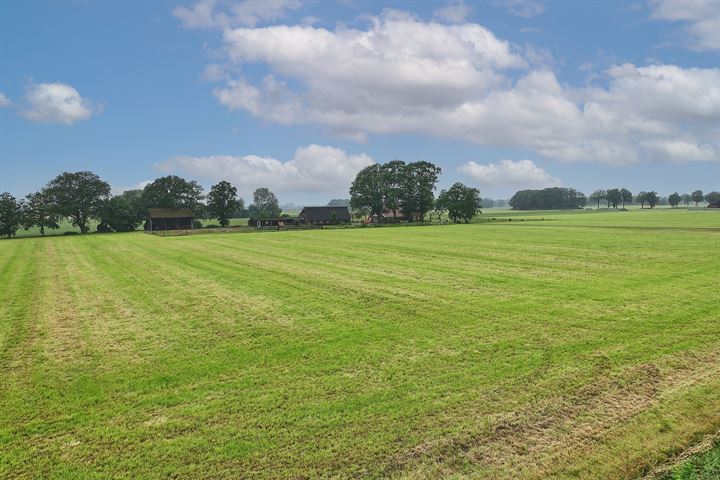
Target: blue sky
(298, 96)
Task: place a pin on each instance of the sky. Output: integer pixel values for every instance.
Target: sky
(298, 96)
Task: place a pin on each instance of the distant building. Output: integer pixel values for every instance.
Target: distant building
(272, 222)
(388, 217)
(169, 219)
(324, 215)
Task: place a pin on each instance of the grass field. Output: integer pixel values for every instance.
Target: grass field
(584, 346)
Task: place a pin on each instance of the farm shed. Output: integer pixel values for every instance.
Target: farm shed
(169, 219)
(324, 215)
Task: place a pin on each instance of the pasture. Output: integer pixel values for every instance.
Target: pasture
(583, 346)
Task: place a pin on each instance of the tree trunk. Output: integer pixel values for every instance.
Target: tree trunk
(42, 230)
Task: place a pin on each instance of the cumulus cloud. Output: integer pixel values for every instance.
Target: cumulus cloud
(213, 14)
(313, 169)
(56, 103)
(701, 19)
(520, 174)
(455, 12)
(462, 82)
(4, 101)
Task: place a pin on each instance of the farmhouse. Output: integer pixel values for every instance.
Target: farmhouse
(324, 215)
(169, 219)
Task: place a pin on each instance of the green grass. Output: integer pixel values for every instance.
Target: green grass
(585, 346)
(705, 466)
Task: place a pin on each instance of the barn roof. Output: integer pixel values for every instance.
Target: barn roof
(325, 213)
(170, 213)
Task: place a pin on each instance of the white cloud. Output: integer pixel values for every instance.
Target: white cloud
(313, 169)
(702, 19)
(399, 68)
(117, 190)
(522, 8)
(454, 12)
(56, 103)
(213, 14)
(461, 82)
(520, 174)
(4, 101)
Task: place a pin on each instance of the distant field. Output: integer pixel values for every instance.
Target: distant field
(584, 346)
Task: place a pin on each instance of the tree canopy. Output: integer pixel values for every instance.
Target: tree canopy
(77, 196)
(597, 196)
(461, 202)
(614, 197)
(674, 199)
(396, 186)
(222, 202)
(368, 189)
(265, 204)
(38, 212)
(651, 198)
(625, 196)
(697, 196)
(172, 192)
(10, 215)
(713, 198)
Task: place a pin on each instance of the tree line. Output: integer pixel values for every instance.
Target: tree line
(568, 198)
(395, 188)
(554, 198)
(82, 196)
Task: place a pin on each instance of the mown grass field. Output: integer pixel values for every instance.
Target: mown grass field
(585, 346)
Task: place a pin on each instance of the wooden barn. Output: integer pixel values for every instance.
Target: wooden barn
(169, 219)
(324, 215)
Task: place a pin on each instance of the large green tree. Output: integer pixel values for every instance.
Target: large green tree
(38, 212)
(642, 199)
(614, 197)
(419, 182)
(368, 190)
(597, 196)
(686, 198)
(674, 199)
(172, 192)
(222, 202)
(11, 215)
(265, 204)
(77, 196)
(462, 202)
(712, 198)
(625, 196)
(697, 197)
(652, 198)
